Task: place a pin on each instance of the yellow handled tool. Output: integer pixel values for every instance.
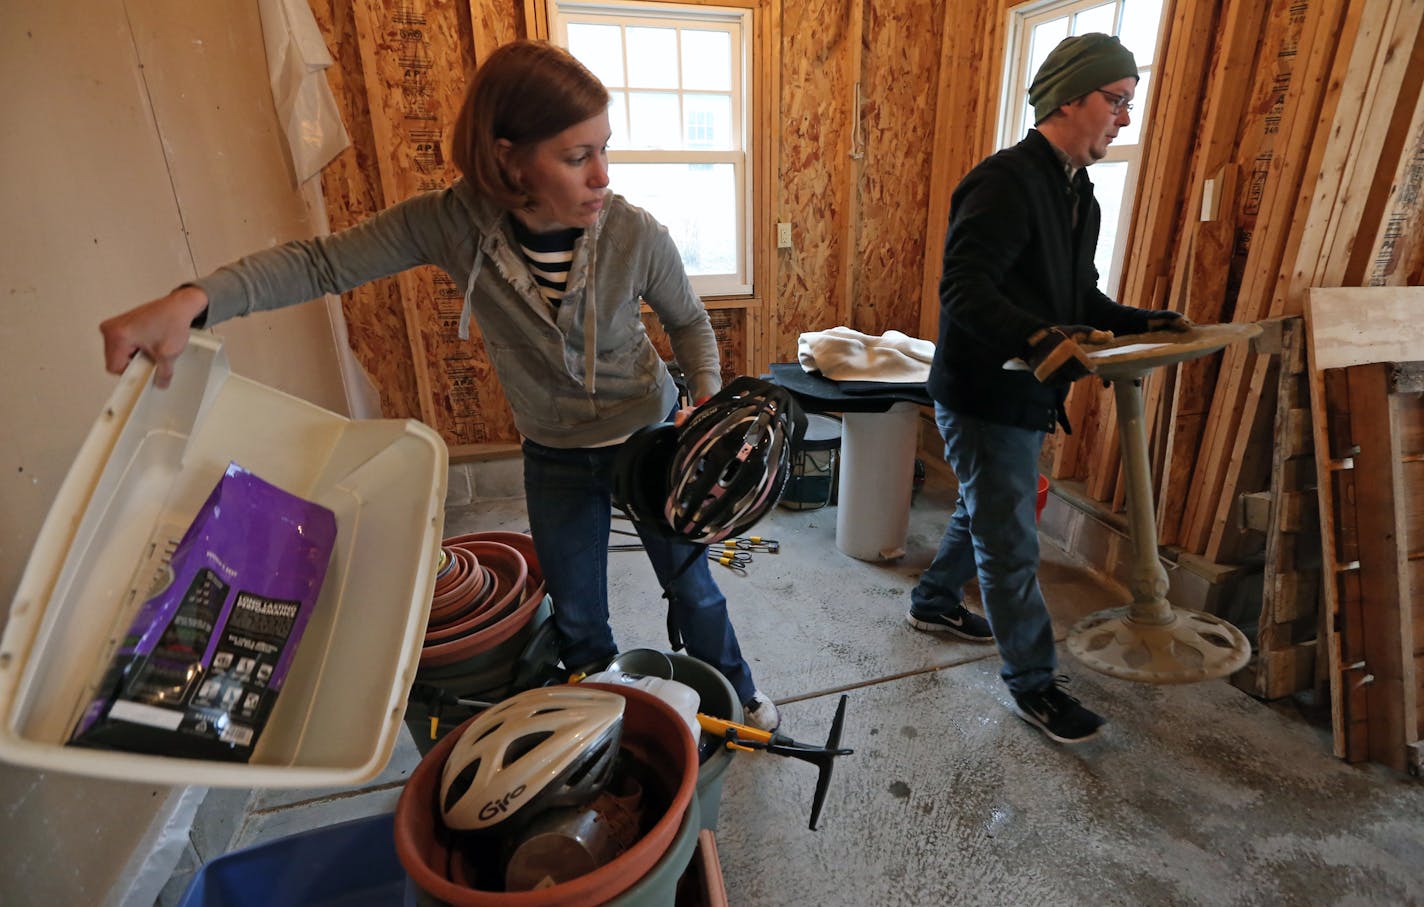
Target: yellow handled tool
(745, 737)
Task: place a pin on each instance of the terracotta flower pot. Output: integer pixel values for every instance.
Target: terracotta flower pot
(510, 574)
(652, 730)
(519, 541)
(448, 649)
(460, 590)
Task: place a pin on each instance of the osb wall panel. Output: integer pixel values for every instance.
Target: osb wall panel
(375, 323)
(977, 35)
(900, 66)
(970, 83)
(730, 325)
(497, 22)
(403, 65)
(815, 118)
(415, 55)
(966, 110)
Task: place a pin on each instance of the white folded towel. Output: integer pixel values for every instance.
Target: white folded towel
(842, 354)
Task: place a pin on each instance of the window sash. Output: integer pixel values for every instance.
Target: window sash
(737, 23)
(1015, 116)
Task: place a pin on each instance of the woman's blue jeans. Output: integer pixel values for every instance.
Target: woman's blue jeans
(570, 514)
(994, 532)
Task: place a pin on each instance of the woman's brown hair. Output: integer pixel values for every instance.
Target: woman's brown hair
(524, 92)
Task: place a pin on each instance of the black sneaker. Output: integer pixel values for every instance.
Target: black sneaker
(1059, 715)
(961, 622)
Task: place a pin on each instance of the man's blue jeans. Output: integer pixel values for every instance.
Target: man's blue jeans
(570, 514)
(993, 532)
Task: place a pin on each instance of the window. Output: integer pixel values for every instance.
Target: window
(680, 113)
(1034, 30)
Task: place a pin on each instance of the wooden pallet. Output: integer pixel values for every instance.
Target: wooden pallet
(1288, 627)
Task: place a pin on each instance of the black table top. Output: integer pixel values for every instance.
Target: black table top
(818, 394)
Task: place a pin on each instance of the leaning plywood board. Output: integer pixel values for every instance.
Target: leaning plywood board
(1374, 426)
(1346, 327)
(1355, 326)
(1407, 427)
(1394, 254)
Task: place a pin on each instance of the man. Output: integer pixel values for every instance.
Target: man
(1019, 282)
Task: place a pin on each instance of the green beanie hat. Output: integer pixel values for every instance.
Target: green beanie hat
(1078, 65)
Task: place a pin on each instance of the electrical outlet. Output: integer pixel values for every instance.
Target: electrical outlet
(783, 236)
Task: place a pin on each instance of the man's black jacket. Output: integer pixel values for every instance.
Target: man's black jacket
(1014, 263)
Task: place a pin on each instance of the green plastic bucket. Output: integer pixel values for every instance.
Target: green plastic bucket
(486, 677)
(659, 887)
(720, 701)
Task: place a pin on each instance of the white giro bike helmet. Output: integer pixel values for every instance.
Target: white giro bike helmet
(550, 746)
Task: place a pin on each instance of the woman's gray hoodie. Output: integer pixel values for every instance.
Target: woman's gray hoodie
(581, 375)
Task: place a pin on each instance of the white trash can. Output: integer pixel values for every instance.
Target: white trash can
(877, 479)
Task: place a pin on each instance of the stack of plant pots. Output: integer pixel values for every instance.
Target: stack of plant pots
(488, 603)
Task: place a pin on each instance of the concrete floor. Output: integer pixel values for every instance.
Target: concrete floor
(1194, 795)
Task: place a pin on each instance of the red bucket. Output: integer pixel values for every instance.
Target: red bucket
(1042, 498)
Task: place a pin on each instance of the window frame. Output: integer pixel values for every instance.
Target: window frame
(1012, 126)
(742, 157)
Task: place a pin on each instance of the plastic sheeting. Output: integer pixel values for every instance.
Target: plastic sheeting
(159, 852)
(296, 60)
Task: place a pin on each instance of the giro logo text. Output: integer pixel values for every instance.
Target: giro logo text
(495, 807)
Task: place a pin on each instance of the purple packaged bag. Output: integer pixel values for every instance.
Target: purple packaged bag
(204, 659)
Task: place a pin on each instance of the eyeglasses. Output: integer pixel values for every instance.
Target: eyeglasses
(1116, 102)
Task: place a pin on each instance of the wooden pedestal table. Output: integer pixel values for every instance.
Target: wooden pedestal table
(1151, 640)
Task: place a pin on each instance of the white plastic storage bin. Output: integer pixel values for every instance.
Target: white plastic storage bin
(139, 479)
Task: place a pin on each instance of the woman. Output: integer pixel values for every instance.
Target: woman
(554, 267)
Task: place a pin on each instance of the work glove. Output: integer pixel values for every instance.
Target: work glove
(1168, 321)
(1054, 354)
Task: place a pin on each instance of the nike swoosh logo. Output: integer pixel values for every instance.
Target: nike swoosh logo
(955, 621)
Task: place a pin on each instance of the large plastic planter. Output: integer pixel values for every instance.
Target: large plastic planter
(648, 869)
(145, 468)
(719, 700)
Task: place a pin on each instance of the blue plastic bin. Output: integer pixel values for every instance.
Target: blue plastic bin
(352, 864)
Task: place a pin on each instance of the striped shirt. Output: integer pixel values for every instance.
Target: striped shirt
(549, 256)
